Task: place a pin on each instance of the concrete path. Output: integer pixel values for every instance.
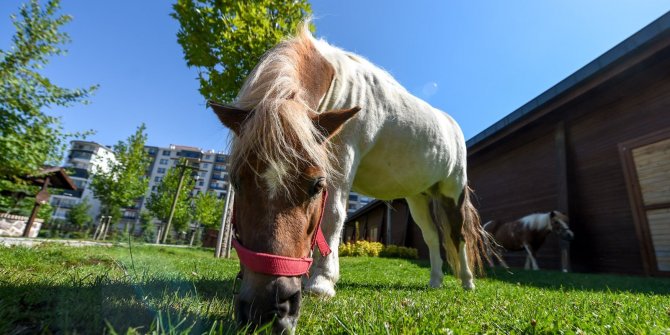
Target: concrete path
(31, 242)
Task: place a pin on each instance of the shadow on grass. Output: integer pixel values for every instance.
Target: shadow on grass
(556, 280)
(175, 307)
(381, 286)
(581, 281)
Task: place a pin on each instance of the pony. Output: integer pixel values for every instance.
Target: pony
(312, 118)
(529, 233)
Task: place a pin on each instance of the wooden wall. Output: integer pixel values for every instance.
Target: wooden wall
(518, 173)
(372, 227)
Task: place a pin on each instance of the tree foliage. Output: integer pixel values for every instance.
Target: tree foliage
(78, 215)
(160, 202)
(208, 209)
(124, 181)
(224, 39)
(29, 137)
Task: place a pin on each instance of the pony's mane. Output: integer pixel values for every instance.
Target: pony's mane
(279, 131)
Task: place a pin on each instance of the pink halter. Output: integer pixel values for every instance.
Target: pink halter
(282, 265)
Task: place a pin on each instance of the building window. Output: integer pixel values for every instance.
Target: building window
(208, 156)
(163, 161)
(161, 170)
(201, 183)
(205, 165)
(153, 188)
(353, 197)
(157, 179)
(166, 152)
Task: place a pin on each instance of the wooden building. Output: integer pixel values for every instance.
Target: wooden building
(387, 222)
(596, 146)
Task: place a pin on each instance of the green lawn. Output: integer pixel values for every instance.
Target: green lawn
(94, 290)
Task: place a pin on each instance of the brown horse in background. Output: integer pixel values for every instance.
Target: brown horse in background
(529, 233)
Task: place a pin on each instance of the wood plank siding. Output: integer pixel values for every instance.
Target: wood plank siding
(517, 173)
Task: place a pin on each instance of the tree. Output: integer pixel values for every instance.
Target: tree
(208, 209)
(29, 138)
(78, 215)
(124, 181)
(147, 226)
(160, 202)
(224, 39)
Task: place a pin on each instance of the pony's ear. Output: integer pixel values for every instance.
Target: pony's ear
(231, 117)
(552, 214)
(330, 123)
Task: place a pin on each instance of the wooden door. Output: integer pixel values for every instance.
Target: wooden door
(647, 167)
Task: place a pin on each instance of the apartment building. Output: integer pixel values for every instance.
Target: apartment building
(356, 202)
(84, 159)
(209, 167)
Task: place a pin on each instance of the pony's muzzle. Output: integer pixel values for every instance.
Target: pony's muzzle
(275, 300)
(567, 235)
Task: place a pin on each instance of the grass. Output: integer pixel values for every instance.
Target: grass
(96, 290)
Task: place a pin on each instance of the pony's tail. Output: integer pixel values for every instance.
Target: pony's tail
(457, 223)
(477, 240)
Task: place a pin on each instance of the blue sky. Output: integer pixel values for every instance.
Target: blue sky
(476, 60)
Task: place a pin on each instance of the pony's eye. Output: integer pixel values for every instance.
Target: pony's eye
(318, 185)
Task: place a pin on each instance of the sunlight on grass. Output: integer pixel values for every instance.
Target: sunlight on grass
(163, 290)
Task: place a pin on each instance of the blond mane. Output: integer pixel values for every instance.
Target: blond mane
(279, 131)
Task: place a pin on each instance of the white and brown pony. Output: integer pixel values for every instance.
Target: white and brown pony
(312, 118)
(529, 233)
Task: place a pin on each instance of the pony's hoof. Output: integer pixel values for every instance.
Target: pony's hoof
(320, 287)
(435, 283)
(468, 286)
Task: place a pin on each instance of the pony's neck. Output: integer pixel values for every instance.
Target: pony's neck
(358, 82)
(537, 222)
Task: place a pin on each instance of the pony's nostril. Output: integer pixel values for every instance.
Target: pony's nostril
(288, 306)
(283, 308)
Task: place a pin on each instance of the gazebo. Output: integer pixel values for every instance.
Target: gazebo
(54, 177)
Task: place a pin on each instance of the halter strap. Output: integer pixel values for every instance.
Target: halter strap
(282, 265)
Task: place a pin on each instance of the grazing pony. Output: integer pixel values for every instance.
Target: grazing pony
(311, 123)
(528, 233)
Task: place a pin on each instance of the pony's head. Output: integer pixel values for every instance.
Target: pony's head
(278, 205)
(559, 225)
(281, 165)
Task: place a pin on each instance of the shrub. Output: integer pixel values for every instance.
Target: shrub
(376, 249)
(395, 251)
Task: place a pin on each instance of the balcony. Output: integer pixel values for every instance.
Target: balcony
(74, 172)
(75, 194)
(189, 154)
(83, 148)
(217, 187)
(221, 177)
(221, 159)
(86, 155)
(219, 168)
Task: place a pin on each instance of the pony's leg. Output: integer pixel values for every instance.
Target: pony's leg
(530, 257)
(418, 207)
(325, 271)
(456, 240)
(502, 261)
